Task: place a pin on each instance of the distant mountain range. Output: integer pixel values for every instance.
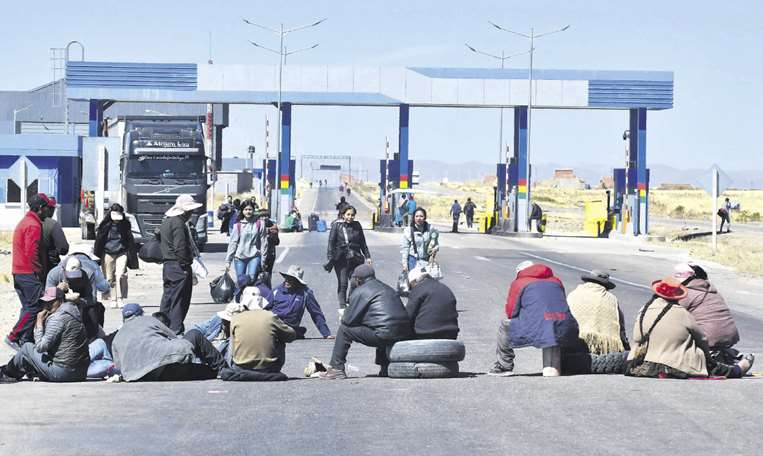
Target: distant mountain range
(433, 170)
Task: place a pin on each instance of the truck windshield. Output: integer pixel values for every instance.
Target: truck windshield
(166, 167)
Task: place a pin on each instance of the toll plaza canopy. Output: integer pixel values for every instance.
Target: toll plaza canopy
(636, 91)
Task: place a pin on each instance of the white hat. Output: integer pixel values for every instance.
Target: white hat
(416, 274)
(72, 268)
(295, 272)
(524, 265)
(230, 310)
(183, 203)
(252, 298)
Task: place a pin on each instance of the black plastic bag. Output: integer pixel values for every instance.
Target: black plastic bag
(222, 289)
(151, 252)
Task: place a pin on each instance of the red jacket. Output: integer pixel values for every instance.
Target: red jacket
(524, 277)
(27, 246)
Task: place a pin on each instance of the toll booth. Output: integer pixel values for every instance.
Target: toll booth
(505, 195)
(625, 202)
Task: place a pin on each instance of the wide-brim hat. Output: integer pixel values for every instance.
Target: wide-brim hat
(600, 277)
(416, 274)
(669, 288)
(295, 272)
(183, 203)
(232, 309)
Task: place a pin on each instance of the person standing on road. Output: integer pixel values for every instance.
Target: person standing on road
(29, 264)
(420, 242)
(455, 212)
(725, 213)
(178, 251)
(469, 208)
(273, 241)
(347, 249)
(376, 318)
(668, 342)
(248, 245)
(431, 307)
(115, 245)
(53, 235)
(537, 315)
(224, 214)
(410, 208)
(60, 353)
(341, 206)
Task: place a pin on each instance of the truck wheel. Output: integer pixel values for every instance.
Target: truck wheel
(427, 351)
(423, 370)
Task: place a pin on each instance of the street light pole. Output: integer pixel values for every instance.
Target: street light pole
(502, 58)
(282, 53)
(531, 37)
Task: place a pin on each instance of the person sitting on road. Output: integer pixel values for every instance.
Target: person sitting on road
(81, 274)
(144, 349)
(217, 328)
(421, 242)
(60, 352)
(431, 307)
(290, 299)
(709, 309)
(597, 311)
(258, 346)
(601, 323)
(537, 315)
(375, 318)
(668, 342)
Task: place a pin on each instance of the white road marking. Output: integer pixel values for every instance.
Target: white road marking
(282, 255)
(481, 258)
(614, 279)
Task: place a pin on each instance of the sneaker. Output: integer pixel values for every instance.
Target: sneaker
(750, 358)
(333, 374)
(341, 313)
(114, 305)
(13, 344)
(120, 303)
(498, 371)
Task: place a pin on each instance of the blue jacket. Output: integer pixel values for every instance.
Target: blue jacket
(543, 318)
(290, 306)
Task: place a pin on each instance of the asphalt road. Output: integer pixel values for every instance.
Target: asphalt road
(473, 414)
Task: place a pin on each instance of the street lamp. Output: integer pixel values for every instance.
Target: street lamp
(503, 58)
(282, 53)
(531, 37)
(16, 111)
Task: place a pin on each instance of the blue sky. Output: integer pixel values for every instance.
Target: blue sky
(713, 48)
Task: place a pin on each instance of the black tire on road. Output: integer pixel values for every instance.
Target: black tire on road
(423, 370)
(611, 363)
(427, 351)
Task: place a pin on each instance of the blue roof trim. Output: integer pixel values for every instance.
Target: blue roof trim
(41, 145)
(168, 76)
(630, 94)
(563, 75)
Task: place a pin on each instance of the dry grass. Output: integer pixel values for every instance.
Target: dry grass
(6, 240)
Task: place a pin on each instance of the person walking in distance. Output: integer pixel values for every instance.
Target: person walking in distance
(273, 241)
(178, 251)
(347, 249)
(248, 246)
(420, 242)
(469, 208)
(115, 245)
(455, 212)
(29, 265)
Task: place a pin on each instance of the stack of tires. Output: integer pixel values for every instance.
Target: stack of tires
(426, 358)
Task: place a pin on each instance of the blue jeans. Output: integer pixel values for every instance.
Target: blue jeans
(101, 361)
(249, 267)
(210, 328)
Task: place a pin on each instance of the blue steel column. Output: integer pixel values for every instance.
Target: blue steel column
(638, 187)
(284, 160)
(520, 149)
(403, 145)
(95, 117)
(643, 189)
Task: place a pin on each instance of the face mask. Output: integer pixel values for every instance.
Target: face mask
(116, 216)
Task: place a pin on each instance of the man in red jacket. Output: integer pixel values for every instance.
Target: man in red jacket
(29, 265)
(538, 314)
